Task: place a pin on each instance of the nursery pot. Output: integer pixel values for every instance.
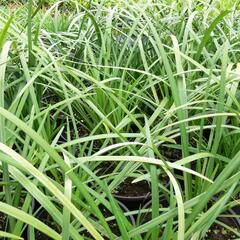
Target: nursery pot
(134, 202)
(133, 194)
(125, 209)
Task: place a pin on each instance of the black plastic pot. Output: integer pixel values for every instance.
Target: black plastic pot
(135, 199)
(125, 209)
(235, 220)
(134, 202)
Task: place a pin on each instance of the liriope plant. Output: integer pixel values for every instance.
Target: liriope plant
(126, 83)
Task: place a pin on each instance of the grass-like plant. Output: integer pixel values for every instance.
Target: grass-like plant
(150, 88)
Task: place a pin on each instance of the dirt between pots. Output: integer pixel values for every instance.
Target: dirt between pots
(218, 232)
(3, 219)
(105, 168)
(129, 189)
(173, 154)
(47, 219)
(112, 224)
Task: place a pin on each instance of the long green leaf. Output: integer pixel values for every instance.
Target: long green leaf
(207, 33)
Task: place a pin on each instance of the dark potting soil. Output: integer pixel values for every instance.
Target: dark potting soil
(218, 232)
(171, 153)
(112, 224)
(129, 189)
(41, 236)
(38, 235)
(105, 168)
(47, 219)
(3, 219)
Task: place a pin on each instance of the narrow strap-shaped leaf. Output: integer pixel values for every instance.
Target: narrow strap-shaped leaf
(208, 31)
(9, 235)
(3, 33)
(27, 218)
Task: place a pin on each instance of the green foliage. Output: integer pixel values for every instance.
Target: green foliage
(145, 89)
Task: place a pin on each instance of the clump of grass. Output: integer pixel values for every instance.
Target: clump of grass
(127, 83)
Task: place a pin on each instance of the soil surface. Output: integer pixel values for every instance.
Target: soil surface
(217, 232)
(3, 220)
(129, 189)
(105, 168)
(171, 153)
(112, 224)
(47, 219)
(41, 236)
